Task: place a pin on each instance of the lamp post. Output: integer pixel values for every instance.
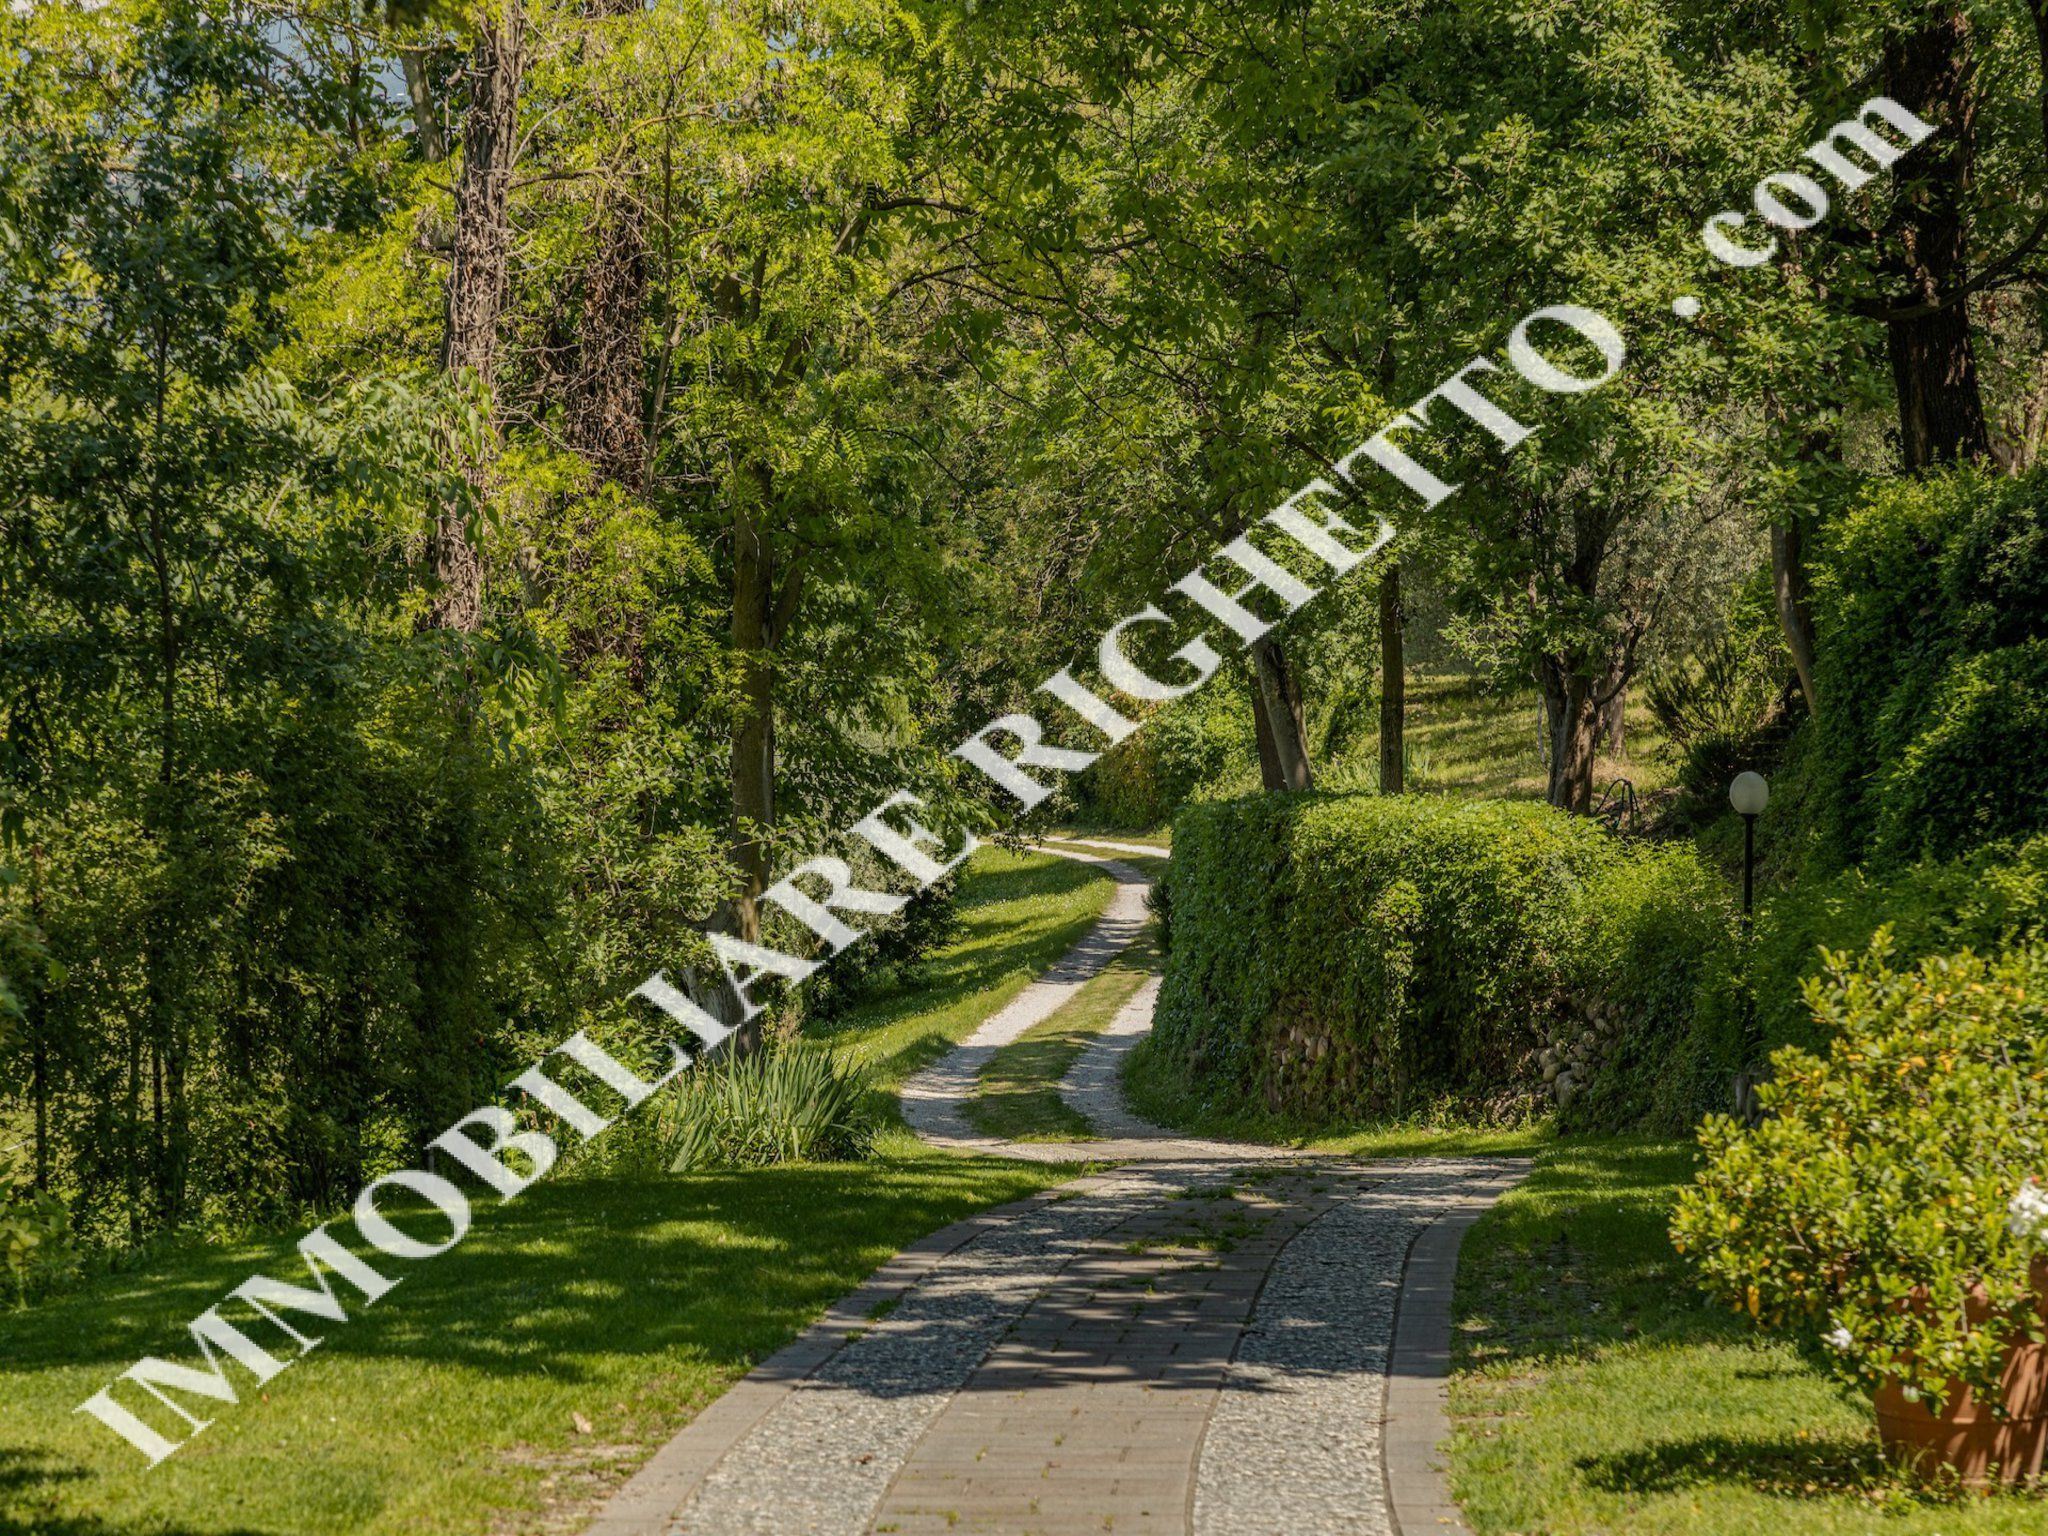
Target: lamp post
(1749, 794)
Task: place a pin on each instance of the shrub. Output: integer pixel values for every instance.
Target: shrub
(1141, 783)
(1655, 941)
(1861, 1213)
(897, 944)
(36, 1243)
(1363, 954)
(1924, 575)
(1975, 771)
(796, 1102)
(1723, 691)
(1984, 901)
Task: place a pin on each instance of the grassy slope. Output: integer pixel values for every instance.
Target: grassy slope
(1476, 737)
(450, 1406)
(1019, 913)
(1475, 741)
(1596, 1390)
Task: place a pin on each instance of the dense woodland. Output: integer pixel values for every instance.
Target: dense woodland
(482, 487)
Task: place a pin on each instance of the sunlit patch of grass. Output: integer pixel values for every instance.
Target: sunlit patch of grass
(1595, 1389)
(1477, 736)
(1157, 837)
(1019, 914)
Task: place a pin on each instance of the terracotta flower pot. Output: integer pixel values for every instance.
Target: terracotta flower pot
(1965, 1436)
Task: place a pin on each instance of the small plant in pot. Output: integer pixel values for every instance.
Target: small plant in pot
(1888, 1211)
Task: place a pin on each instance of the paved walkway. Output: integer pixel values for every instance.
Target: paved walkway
(1214, 1339)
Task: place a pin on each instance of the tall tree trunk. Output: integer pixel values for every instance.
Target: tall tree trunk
(1270, 775)
(1276, 694)
(476, 284)
(1614, 723)
(605, 394)
(1934, 369)
(1393, 685)
(133, 1171)
(1574, 704)
(39, 1029)
(160, 1162)
(753, 732)
(1789, 585)
(40, 1069)
(2040, 10)
(426, 116)
(605, 418)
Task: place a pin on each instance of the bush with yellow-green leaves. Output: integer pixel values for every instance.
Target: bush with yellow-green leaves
(1878, 1211)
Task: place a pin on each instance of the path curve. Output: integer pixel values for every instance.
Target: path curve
(1212, 1339)
(935, 1100)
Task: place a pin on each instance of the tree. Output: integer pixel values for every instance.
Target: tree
(476, 289)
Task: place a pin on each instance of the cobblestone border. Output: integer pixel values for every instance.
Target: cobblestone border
(1412, 1455)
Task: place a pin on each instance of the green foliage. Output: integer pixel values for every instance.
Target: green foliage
(927, 924)
(797, 1102)
(1975, 770)
(1656, 947)
(1722, 690)
(1931, 608)
(1871, 1202)
(1350, 955)
(1721, 708)
(36, 1242)
(1142, 782)
(1986, 901)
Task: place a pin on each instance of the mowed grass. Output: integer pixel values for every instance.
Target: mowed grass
(1019, 913)
(1155, 1088)
(1596, 1390)
(1019, 1096)
(459, 1402)
(1474, 737)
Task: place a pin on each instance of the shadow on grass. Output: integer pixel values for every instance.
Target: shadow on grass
(721, 1264)
(25, 1470)
(1789, 1467)
(1578, 1261)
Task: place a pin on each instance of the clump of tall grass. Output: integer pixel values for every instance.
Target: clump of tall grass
(793, 1102)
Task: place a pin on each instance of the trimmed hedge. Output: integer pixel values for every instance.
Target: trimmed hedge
(1347, 956)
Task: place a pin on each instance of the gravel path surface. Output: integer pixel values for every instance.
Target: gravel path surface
(935, 1100)
(1196, 1343)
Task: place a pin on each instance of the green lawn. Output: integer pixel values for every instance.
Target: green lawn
(1019, 1096)
(1474, 737)
(1477, 737)
(1154, 1089)
(1596, 1391)
(621, 1303)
